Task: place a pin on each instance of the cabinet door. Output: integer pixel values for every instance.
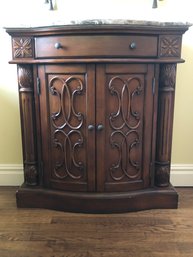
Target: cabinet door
(125, 118)
(67, 106)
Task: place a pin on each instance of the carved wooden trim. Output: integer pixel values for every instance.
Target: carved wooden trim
(25, 80)
(22, 47)
(170, 46)
(126, 133)
(162, 176)
(165, 124)
(167, 77)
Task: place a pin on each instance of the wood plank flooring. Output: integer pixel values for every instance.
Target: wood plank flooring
(46, 233)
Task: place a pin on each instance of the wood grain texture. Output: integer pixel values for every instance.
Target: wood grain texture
(46, 233)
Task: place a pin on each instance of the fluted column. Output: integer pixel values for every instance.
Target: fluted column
(25, 81)
(165, 124)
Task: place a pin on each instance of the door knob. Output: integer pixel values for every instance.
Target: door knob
(91, 127)
(100, 127)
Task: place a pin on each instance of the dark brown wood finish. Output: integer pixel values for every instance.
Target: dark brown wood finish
(125, 110)
(165, 123)
(67, 104)
(25, 81)
(99, 115)
(97, 45)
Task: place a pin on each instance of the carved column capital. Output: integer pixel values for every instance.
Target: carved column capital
(167, 76)
(25, 78)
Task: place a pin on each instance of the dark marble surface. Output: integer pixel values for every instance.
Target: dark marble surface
(125, 21)
(64, 22)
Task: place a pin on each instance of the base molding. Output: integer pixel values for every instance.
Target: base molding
(151, 198)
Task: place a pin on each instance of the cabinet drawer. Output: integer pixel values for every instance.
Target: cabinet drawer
(95, 46)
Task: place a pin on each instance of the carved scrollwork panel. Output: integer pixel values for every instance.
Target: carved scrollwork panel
(130, 118)
(67, 120)
(66, 98)
(125, 120)
(67, 160)
(129, 166)
(22, 47)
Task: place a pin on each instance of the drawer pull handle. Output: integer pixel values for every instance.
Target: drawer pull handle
(133, 45)
(91, 127)
(100, 127)
(58, 45)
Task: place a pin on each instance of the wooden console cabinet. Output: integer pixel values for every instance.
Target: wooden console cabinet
(96, 106)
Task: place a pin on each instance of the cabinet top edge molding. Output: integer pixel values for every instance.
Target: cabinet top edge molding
(93, 28)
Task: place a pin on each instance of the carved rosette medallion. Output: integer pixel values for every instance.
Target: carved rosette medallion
(170, 46)
(165, 123)
(22, 47)
(25, 81)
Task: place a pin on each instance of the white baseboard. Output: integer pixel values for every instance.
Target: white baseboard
(12, 174)
(182, 175)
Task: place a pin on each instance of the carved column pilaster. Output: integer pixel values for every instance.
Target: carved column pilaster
(25, 81)
(165, 124)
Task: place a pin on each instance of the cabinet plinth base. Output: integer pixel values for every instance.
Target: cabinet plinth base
(152, 198)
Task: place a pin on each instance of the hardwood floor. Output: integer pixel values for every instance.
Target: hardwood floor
(46, 233)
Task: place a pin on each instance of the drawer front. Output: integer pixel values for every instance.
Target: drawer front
(95, 46)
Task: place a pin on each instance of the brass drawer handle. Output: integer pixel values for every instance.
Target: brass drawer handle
(132, 45)
(58, 45)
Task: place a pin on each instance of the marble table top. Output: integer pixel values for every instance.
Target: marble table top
(102, 22)
(124, 21)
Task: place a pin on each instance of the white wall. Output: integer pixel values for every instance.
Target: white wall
(35, 12)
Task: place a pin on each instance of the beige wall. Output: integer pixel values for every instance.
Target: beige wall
(183, 119)
(10, 137)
